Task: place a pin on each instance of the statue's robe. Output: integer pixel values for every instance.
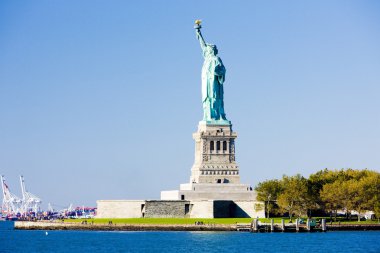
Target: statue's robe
(213, 75)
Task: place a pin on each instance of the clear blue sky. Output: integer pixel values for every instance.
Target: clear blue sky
(99, 99)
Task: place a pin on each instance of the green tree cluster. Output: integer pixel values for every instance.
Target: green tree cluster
(326, 190)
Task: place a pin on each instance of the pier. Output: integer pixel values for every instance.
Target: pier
(256, 226)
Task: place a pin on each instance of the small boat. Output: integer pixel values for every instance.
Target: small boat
(11, 218)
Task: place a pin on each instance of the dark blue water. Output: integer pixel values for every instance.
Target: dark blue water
(178, 242)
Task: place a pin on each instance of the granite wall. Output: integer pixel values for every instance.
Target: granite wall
(167, 209)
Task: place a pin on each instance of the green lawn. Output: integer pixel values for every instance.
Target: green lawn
(165, 220)
(205, 221)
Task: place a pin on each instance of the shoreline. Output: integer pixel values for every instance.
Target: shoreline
(43, 225)
(353, 227)
(30, 225)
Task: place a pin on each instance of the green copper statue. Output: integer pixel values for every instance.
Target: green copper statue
(213, 75)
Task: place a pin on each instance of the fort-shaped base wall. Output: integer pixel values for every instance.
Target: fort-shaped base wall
(178, 209)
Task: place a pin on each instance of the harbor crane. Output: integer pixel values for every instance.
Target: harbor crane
(11, 204)
(30, 202)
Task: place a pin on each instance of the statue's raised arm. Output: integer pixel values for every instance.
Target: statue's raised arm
(199, 35)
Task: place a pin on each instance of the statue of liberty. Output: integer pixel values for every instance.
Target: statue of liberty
(213, 75)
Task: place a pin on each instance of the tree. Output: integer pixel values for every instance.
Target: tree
(359, 198)
(332, 200)
(268, 192)
(318, 180)
(337, 195)
(373, 191)
(294, 198)
(346, 189)
(365, 193)
(374, 202)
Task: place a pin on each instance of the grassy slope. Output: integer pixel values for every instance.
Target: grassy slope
(164, 221)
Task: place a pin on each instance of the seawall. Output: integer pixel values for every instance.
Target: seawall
(29, 225)
(352, 227)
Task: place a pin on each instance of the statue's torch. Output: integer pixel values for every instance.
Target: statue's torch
(197, 25)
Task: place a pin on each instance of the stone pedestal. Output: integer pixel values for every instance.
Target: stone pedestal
(215, 177)
(215, 155)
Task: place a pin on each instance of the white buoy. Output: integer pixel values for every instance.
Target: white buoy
(46, 233)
